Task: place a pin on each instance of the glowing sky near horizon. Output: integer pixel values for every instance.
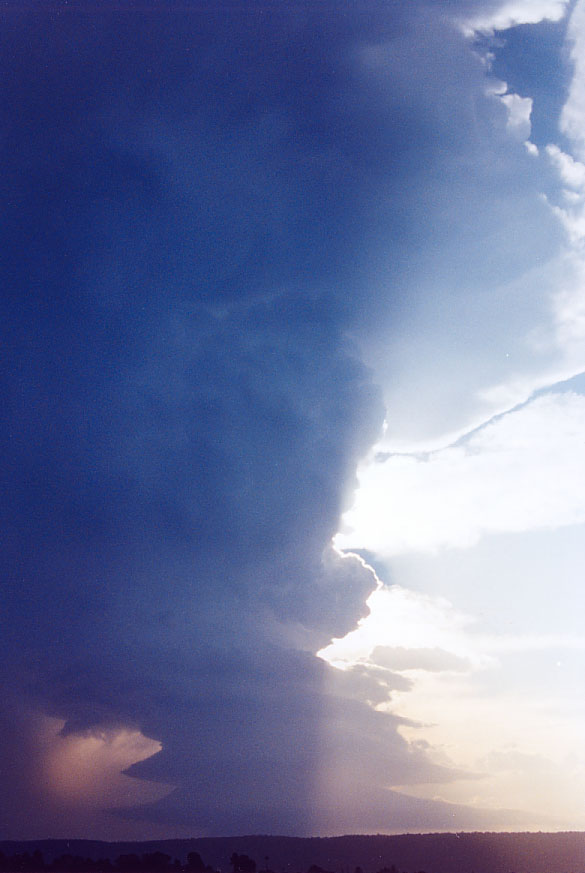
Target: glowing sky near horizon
(294, 440)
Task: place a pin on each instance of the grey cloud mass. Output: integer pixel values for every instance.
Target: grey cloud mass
(191, 194)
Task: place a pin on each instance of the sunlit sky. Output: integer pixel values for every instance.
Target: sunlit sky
(294, 441)
(471, 505)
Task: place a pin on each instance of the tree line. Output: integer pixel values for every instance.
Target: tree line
(150, 862)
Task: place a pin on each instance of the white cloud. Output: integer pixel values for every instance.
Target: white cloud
(572, 217)
(88, 768)
(572, 172)
(569, 310)
(506, 297)
(519, 112)
(520, 737)
(400, 619)
(560, 338)
(573, 114)
(521, 472)
(571, 209)
(516, 337)
(509, 13)
(435, 660)
(478, 342)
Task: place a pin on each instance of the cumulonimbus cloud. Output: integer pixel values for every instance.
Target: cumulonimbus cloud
(188, 275)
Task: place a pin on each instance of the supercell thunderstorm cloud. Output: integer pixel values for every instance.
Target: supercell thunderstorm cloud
(213, 215)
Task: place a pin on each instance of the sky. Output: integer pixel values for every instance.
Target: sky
(293, 379)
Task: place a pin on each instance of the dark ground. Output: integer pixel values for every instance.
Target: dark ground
(433, 853)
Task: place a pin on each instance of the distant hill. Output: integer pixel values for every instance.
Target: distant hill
(433, 853)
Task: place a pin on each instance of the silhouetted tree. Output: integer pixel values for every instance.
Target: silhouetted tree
(195, 863)
(63, 863)
(242, 864)
(73, 864)
(155, 861)
(128, 862)
(26, 862)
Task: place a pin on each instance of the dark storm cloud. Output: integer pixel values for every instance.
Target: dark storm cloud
(189, 197)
